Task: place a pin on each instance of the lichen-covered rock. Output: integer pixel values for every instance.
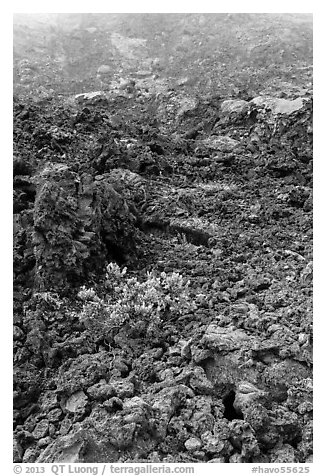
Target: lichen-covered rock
(91, 98)
(23, 254)
(193, 444)
(238, 106)
(279, 105)
(225, 339)
(126, 428)
(18, 334)
(122, 387)
(283, 454)
(280, 376)
(76, 403)
(246, 395)
(217, 144)
(300, 397)
(55, 223)
(136, 410)
(101, 391)
(243, 439)
(305, 447)
(200, 383)
(236, 458)
(48, 400)
(31, 454)
(201, 418)
(212, 444)
(78, 224)
(82, 372)
(165, 404)
(65, 426)
(121, 434)
(67, 449)
(259, 419)
(41, 429)
(273, 426)
(42, 442)
(54, 415)
(17, 451)
(225, 371)
(129, 184)
(27, 385)
(287, 423)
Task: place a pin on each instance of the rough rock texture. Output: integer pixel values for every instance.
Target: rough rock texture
(216, 188)
(78, 224)
(279, 105)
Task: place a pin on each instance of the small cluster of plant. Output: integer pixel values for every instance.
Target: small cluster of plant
(46, 300)
(136, 306)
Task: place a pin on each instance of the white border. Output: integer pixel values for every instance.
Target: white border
(319, 177)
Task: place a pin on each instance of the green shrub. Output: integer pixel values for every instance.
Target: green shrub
(136, 306)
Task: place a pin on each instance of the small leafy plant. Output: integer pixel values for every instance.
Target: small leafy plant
(137, 307)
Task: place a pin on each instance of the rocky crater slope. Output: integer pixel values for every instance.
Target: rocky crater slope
(201, 349)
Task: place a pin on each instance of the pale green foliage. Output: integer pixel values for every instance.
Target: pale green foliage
(49, 298)
(86, 294)
(132, 303)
